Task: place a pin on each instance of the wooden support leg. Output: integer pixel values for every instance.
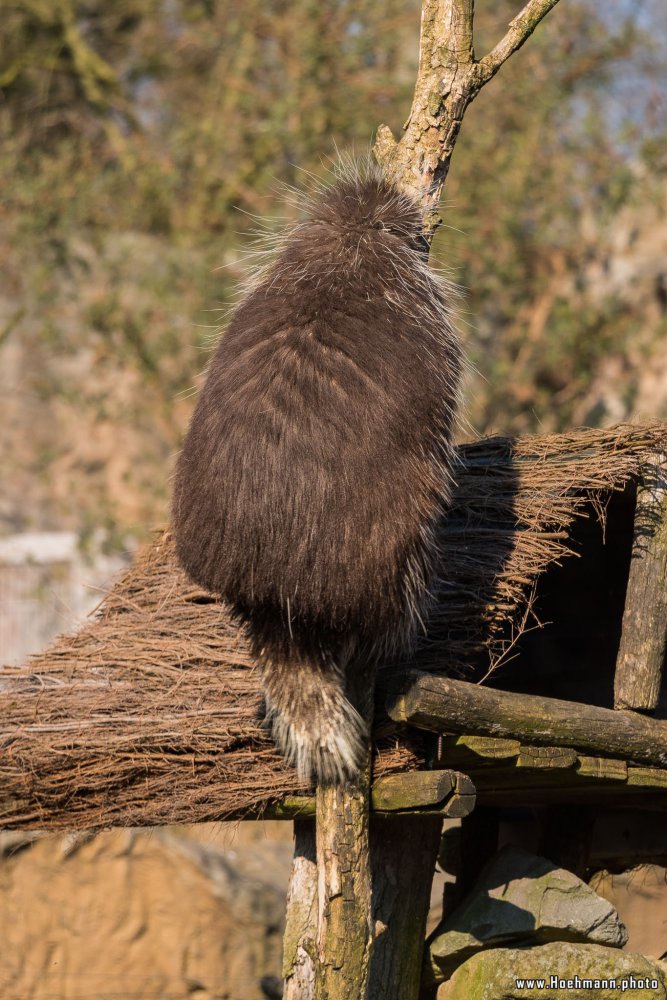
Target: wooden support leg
(344, 894)
(403, 856)
(359, 899)
(404, 852)
(299, 953)
(344, 924)
(642, 649)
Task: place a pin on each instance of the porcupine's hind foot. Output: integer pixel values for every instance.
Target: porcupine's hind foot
(313, 722)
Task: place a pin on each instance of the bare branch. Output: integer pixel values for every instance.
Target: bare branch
(521, 28)
(448, 79)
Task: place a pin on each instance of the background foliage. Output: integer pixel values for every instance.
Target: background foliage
(139, 139)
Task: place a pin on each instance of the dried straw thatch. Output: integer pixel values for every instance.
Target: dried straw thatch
(150, 714)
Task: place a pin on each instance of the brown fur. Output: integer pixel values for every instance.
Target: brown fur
(318, 460)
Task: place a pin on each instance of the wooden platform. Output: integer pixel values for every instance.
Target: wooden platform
(506, 772)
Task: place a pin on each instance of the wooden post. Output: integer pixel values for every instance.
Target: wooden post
(404, 852)
(344, 932)
(407, 811)
(642, 649)
(299, 955)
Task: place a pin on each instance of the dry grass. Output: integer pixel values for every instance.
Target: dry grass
(151, 714)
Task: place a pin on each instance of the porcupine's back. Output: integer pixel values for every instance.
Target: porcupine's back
(318, 460)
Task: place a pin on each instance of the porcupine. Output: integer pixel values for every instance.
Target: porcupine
(319, 460)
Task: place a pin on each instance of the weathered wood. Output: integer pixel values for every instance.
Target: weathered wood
(408, 791)
(602, 769)
(593, 779)
(344, 919)
(464, 799)
(505, 770)
(553, 758)
(404, 840)
(291, 807)
(469, 750)
(404, 852)
(647, 777)
(344, 935)
(299, 942)
(438, 703)
(641, 652)
(448, 79)
(414, 792)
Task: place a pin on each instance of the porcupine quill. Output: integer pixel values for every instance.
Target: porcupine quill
(319, 461)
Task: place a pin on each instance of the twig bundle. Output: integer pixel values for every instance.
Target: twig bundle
(152, 713)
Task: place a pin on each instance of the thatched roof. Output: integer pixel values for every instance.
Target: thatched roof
(150, 714)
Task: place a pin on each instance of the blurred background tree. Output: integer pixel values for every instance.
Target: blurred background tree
(140, 139)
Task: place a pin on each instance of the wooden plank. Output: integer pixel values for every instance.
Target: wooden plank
(641, 652)
(551, 758)
(470, 750)
(437, 703)
(602, 768)
(591, 779)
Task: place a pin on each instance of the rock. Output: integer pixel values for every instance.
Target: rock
(579, 971)
(173, 912)
(521, 898)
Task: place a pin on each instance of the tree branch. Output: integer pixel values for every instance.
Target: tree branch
(449, 78)
(521, 28)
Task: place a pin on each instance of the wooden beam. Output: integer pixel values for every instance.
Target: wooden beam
(439, 792)
(602, 769)
(440, 704)
(641, 652)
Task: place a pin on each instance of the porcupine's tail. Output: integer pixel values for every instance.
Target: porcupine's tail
(312, 719)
